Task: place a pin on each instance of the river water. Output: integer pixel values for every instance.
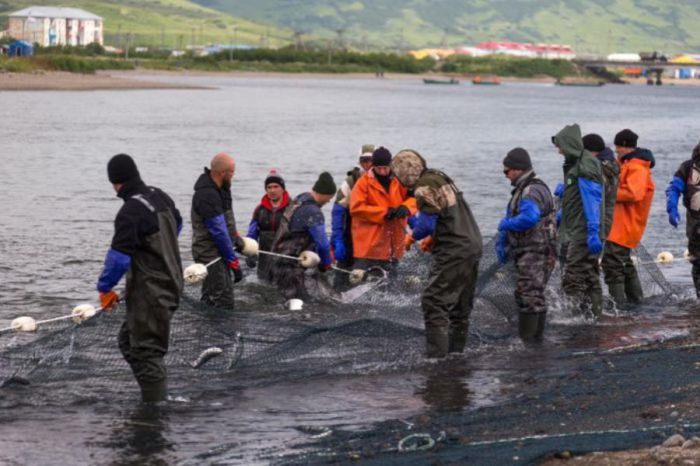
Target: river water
(57, 211)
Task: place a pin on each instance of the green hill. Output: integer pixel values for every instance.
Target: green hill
(590, 26)
(165, 22)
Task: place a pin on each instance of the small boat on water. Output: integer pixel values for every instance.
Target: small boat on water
(489, 81)
(440, 81)
(579, 83)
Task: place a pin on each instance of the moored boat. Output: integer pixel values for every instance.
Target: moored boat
(440, 81)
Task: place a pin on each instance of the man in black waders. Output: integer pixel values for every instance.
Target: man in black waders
(341, 221)
(303, 228)
(214, 233)
(583, 211)
(528, 235)
(686, 183)
(267, 217)
(144, 247)
(457, 246)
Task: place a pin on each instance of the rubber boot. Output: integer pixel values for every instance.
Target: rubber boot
(617, 293)
(154, 392)
(696, 279)
(458, 339)
(633, 288)
(596, 305)
(527, 325)
(437, 342)
(541, 321)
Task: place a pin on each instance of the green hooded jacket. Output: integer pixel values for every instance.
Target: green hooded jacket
(578, 163)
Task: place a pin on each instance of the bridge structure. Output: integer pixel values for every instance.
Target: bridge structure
(653, 67)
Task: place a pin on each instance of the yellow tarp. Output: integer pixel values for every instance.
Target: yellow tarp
(684, 59)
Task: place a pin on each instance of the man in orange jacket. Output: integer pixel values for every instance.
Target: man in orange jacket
(634, 195)
(380, 206)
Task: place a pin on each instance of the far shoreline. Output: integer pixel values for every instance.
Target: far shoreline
(129, 80)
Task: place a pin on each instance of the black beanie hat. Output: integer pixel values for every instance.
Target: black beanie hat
(518, 159)
(274, 177)
(593, 142)
(381, 157)
(325, 184)
(122, 168)
(626, 138)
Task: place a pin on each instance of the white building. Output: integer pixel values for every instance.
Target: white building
(47, 25)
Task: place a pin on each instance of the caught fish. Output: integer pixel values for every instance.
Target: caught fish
(205, 356)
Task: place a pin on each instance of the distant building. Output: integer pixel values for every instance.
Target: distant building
(517, 49)
(48, 26)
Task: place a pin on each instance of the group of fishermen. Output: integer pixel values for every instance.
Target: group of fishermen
(385, 205)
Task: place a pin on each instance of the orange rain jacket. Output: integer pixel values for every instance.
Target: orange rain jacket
(373, 236)
(634, 195)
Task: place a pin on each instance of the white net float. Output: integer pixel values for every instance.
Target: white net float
(83, 312)
(250, 247)
(23, 324)
(664, 257)
(195, 273)
(356, 276)
(309, 259)
(295, 304)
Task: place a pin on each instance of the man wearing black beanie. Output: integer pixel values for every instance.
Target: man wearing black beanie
(528, 234)
(302, 228)
(611, 174)
(145, 245)
(635, 193)
(380, 206)
(267, 217)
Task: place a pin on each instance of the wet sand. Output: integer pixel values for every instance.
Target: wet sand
(64, 81)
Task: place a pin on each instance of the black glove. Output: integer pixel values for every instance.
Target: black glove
(323, 268)
(237, 275)
(238, 244)
(389, 213)
(402, 212)
(251, 261)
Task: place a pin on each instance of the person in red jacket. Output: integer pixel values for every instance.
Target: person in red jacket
(267, 217)
(380, 206)
(635, 192)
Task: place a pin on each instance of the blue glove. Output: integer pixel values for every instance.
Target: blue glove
(340, 251)
(593, 241)
(424, 226)
(674, 191)
(559, 191)
(591, 198)
(501, 247)
(674, 218)
(527, 218)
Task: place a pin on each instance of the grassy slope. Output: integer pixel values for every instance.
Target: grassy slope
(168, 21)
(593, 26)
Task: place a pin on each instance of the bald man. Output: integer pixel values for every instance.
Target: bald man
(214, 232)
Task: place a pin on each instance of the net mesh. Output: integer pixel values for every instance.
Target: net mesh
(375, 327)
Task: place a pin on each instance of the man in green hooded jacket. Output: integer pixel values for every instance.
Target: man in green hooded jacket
(582, 213)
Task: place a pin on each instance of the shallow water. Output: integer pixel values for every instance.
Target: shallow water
(57, 209)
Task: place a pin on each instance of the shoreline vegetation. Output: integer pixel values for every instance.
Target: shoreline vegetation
(94, 59)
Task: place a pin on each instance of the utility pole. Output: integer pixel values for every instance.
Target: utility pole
(235, 35)
(192, 42)
(162, 37)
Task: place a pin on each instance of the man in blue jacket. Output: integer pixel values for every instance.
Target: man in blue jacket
(303, 228)
(528, 235)
(214, 233)
(145, 248)
(686, 184)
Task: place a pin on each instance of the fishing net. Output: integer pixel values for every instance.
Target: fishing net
(375, 327)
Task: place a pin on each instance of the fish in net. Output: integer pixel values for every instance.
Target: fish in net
(376, 327)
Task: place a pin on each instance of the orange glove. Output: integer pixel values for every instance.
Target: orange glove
(109, 300)
(427, 244)
(408, 242)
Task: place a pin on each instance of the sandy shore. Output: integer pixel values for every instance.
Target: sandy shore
(131, 80)
(64, 81)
